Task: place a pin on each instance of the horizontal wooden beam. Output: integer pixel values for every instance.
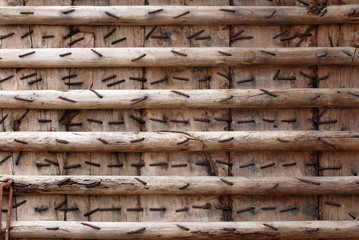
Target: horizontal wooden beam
(164, 56)
(219, 98)
(185, 230)
(113, 185)
(180, 141)
(176, 15)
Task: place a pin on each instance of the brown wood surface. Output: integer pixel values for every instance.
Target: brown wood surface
(185, 185)
(178, 230)
(214, 99)
(254, 164)
(339, 164)
(178, 56)
(176, 15)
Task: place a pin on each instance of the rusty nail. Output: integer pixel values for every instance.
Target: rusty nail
(246, 210)
(26, 54)
(165, 78)
(289, 164)
(109, 78)
(72, 33)
(72, 166)
(118, 40)
(96, 52)
(206, 206)
(137, 100)
(138, 58)
(225, 140)
(182, 227)
(226, 181)
(75, 41)
(68, 11)
(274, 12)
(150, 32)
(227, 10)
(112, 15)
(202, 120)
(270, 226)
(196, 34)
(280, 34)
(141, 181)
(137, 140)
(67, 99)
(115, 122)
(226, 99)
(180, 93)
(115, 83)
(118, 165)
(90, 225)
(246, 80)
(269, 53)
(7, 35)
(155, 11)
(184, 186)
(185, 13)
(179, 165)
(225, 53)
(20, 141)
(93, 164)
(269, 93)
(267, 166)
(179, 53)
(109, 33)
(184, 209)
(27, 33)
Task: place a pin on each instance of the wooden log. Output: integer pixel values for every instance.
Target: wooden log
(176, 15)
(218, 98)
(201, 185)
(185, 230)
(164, 56)
(180, 141)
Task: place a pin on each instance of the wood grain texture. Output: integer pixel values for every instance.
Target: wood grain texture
(175, 15)
(184, 141)
(138, 99)
(345, 163)
(254, 164)
(176, 185)
(197, 230)
(266, 163)
(169, 57)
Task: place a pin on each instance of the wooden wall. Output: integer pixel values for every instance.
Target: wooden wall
(220, 208)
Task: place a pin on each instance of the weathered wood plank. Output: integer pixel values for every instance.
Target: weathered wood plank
(164, 56)
(175, 15)
(138, 99)
(180, 230)
(205, 185)
(184, 141)
(336, 207)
